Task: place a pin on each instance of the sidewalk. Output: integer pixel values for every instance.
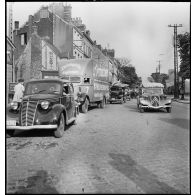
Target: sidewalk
(185, 101)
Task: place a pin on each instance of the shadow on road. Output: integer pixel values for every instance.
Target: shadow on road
(183, 123)
(41, 183)
(143, 178)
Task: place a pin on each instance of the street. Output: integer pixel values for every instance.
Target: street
(111, 150)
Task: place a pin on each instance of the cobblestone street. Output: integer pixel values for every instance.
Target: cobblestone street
(111, 150)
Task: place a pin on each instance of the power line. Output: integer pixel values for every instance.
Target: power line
(176, 77)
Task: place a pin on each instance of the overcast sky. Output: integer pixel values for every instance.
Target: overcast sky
(136, 30)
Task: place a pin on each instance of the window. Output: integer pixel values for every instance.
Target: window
(23, 38)
(86, 80)
(44, 13)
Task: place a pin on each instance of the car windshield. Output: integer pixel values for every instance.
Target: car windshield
(42, 88)
(152, 90)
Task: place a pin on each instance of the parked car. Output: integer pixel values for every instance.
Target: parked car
(47, 104)
(117, 94)
(151, 96)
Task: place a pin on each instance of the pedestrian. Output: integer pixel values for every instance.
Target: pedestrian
(182, 93)
(18, 92)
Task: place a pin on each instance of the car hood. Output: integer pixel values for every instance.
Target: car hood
(41, 96)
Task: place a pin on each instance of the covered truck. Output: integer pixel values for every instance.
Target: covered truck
(90, 79)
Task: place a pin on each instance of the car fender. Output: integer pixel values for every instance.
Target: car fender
(57, 109)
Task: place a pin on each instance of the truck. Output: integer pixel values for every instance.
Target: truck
(90, 78)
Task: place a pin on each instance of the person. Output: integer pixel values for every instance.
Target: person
(182, 92)
(18, 91)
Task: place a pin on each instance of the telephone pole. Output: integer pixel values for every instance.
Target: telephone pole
(176, 77)
(158, 66)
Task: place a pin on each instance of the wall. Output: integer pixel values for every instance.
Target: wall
(36, 58)
(49, 57)
(63, 36)
(23, 63)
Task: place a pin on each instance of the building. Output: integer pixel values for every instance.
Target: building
(38, 56)
(10, 47)
(59, 30)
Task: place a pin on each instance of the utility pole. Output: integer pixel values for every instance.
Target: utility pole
(176, 77)
(158, 66)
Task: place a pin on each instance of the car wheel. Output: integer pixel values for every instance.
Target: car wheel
(84, 107)
(102, 103)
(141, 110)
(10, 133)
(61, 127)
(110, 102)
(168, 110)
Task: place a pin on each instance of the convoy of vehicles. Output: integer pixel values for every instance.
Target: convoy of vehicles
(90, 79)
(53, 103)
(151, 96)
(47, 104)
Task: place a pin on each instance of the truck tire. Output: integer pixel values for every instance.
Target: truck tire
(84, 107)
(102, 103)
(59, 132)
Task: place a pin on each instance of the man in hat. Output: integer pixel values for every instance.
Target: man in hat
(19, 90)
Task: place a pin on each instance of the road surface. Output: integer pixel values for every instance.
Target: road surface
(111, 150)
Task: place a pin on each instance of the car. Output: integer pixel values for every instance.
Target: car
(46, 104)
(117, 94)
(151, 96)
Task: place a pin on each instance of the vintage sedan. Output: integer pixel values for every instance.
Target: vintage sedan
(117, 94)
(151, 96)
(47, 104)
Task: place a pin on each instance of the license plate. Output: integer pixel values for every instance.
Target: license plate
(112, 98)
(11, 122)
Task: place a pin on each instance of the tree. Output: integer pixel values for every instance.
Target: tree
(185, 55)
(129, 76)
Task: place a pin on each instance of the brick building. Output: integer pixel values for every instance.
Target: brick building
(55, 25)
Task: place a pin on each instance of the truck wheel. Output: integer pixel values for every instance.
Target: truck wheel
(61, 127)
(168, 110)
(84, 107)
(102, 103)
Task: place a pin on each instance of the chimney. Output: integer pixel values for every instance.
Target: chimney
(34, 28)
(16, 27)
(88, 33)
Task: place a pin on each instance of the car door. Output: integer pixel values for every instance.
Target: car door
(66, 100)
(72, 106)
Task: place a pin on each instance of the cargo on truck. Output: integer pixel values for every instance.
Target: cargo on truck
(90, 79)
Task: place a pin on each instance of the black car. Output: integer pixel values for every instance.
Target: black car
(117, 94)
(47, 104)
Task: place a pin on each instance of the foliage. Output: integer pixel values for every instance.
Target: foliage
(185, 55)
(160, 78)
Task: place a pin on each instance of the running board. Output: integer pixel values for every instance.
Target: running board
(71, 120)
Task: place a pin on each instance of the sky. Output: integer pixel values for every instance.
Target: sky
(135, 30)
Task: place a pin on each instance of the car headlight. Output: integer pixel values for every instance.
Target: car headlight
(44, 105)
(14, 105)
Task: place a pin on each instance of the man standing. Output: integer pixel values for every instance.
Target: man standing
(18, 91)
